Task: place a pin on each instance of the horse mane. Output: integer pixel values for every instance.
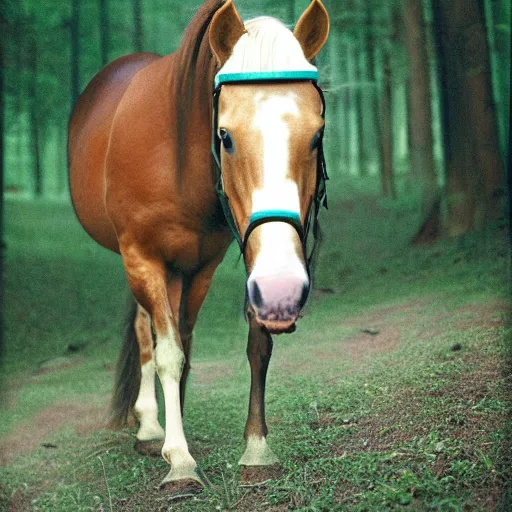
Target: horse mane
(194, 57)
(194, 70)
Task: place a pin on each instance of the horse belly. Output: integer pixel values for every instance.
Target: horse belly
(89, 134)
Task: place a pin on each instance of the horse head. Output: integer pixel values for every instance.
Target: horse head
(268, 128)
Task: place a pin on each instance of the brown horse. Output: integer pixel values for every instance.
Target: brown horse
(144, 184)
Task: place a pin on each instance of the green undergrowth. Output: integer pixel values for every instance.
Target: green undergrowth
(391, 395)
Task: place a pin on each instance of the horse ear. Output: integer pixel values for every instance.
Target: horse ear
(226, 29)
(312, 29)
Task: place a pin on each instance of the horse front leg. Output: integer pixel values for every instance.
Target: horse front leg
(257, 451)
(170, 361)
(147, 277)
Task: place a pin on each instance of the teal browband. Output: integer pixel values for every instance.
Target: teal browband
(265, 76)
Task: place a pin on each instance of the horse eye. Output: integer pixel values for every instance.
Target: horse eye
(227, 142)
(316, 139)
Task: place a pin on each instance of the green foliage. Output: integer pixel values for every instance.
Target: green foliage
(351, 70)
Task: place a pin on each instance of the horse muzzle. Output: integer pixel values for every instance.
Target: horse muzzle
(277, 300)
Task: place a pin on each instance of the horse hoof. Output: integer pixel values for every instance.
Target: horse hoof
(260, 475)
(184, 481)
(187, 488)
(152, 448)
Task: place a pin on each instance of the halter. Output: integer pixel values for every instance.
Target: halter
(264, 216)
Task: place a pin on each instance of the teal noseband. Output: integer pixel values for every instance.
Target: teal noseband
(263, 216)
(273, 215)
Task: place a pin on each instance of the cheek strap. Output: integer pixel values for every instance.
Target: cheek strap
(293, 218)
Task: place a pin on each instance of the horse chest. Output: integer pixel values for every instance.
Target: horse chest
(187, 251)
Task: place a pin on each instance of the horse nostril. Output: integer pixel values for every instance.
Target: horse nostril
(304, 296)
(255, 294)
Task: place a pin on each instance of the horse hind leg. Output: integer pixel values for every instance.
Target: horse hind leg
(150, 433)
(194, 292)
(186, 340)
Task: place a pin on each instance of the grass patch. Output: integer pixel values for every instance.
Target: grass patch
(390, 395)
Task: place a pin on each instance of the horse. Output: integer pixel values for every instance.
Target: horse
(173, 157)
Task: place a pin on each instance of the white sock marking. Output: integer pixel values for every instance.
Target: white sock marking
(146, 408)
(169, 363)
(258, 453)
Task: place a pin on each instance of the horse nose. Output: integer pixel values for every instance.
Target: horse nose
(278, 299)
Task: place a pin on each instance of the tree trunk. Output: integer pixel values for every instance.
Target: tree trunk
(399, 101)
(474, 171)
(386, 112)
(421, 145)
(104, 32)
(386, 123)
(3, 30)
(344, 111)
(19, 44)
(360, 161)
(339, 117)
(361, 93)
(34, 128)
(371, 50)
(482, 106)
(499, 14)
(137, 23)
(420, 115)
(353, 108)
(334, 108)
(63, 184)
(75, 50)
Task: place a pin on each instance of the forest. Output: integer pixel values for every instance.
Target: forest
(418, 92)
(394, 393)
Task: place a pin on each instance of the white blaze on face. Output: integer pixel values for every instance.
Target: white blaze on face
(271, 118)
(278, 192)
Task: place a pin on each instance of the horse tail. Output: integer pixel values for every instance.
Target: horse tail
(127, 379)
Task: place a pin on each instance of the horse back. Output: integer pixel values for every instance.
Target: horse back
(89, 133)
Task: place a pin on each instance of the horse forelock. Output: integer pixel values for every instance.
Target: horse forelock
(268, 45)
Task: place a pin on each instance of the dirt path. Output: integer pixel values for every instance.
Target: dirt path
(40, 429)
(380, 330)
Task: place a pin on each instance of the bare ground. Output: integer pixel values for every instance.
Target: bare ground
(386, 334)
(39, 430)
